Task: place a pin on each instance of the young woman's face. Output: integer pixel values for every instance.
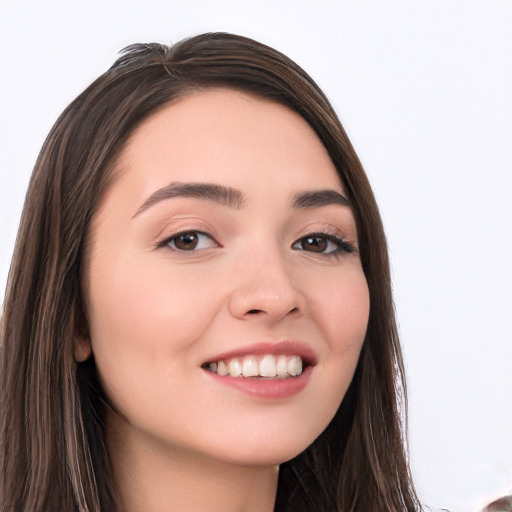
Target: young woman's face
(226, 245)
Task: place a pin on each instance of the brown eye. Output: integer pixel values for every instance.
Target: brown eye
(186, 241)
(323, 244)
(189, 241)
(313, 244)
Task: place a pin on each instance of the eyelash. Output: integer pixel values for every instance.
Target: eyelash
(341, 245)
(174, 237)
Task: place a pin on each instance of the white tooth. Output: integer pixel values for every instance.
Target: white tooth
(295, 366)
(268, 366)
(282, 366)
(222, 369)
(235, 368)
(250, 367)
(213, 367)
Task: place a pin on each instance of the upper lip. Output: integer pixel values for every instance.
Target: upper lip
(286, 347)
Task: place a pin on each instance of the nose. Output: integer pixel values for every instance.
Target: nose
(265, 288)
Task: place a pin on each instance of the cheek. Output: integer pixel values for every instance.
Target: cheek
(144, 325)
(344, 306)
(144, 306)
(343, 310)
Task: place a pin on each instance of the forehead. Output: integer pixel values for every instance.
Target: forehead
(222, 134)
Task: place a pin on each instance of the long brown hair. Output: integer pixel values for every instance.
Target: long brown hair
(52, 427)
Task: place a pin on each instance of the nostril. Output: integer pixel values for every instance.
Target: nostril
(254, 301)
(258, 311)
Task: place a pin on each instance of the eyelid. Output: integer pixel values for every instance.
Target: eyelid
(338, 232)
(342, 245)
(167, 239)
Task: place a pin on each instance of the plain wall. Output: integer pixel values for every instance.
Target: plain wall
(424, 89)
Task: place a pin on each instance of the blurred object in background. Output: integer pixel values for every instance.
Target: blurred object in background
(500, 505)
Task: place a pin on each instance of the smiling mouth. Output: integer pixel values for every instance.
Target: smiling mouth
(265, 366)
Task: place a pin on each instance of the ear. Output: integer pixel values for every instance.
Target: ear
(82, 348)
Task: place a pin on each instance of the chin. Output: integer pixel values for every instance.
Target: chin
(258, 459)
(264, 451)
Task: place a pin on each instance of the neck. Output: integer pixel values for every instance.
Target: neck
(152, 478)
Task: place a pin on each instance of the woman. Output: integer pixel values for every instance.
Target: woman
(199, 311)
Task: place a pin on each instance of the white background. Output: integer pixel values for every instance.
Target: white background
(424, 89)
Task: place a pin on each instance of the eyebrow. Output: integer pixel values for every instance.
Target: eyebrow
(226, 196)
(234, 198)
(318, 198)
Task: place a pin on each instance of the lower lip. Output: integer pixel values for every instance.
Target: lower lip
(266, 388)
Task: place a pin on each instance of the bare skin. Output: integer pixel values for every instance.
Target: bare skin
(147, 482)
(256, 253)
